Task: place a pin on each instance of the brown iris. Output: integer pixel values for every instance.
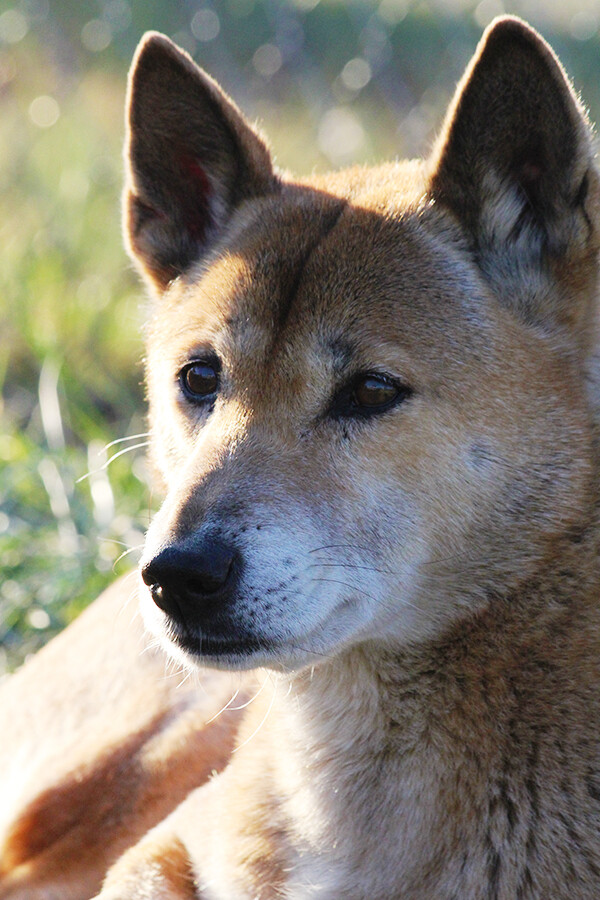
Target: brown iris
(199, 380)
(374, 392)
(368, 394)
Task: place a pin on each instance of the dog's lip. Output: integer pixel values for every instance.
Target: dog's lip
(206, 645)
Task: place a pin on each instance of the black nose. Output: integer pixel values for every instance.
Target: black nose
(191, 585)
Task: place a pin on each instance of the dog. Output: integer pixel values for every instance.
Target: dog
(374, 404)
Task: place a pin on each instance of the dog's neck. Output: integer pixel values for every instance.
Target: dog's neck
(456, 731)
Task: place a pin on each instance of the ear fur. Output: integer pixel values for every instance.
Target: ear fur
(514, 164)
(191, 157)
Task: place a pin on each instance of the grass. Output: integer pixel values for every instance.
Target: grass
(69, 353)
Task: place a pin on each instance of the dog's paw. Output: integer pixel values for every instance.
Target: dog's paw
(155, 869)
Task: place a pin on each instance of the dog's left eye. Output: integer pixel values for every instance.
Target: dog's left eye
(199, 380)
(374, 392)
(369, 394)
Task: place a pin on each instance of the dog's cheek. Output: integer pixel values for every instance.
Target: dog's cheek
(422, 491)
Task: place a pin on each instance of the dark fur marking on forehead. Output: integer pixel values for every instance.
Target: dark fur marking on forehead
(342, 352)
(481, 456)
(292, 277)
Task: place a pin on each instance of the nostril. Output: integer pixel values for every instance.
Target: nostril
(165, 600)
(148, 576)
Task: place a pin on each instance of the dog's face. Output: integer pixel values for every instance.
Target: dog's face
(368, 391)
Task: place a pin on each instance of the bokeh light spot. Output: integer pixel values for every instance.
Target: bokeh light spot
(38, 618)
(392, 11)
(356, 74)
(44, 111)
(341, 134)
(584, 25)
(96, 35)
(267, 60)
(205, 25)
(13, 26)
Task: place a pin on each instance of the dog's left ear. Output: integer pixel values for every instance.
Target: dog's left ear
(514, 164)
(192, 159)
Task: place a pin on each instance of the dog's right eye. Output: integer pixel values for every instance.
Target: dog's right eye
(199, 381)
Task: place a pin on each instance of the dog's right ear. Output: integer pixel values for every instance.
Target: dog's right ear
(192, 159)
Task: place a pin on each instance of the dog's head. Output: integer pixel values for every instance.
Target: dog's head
(370, 391)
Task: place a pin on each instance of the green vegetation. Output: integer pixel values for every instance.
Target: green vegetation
(331, 83)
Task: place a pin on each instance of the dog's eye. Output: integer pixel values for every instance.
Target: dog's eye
(199, 380)
(374, 392)
(369, 394)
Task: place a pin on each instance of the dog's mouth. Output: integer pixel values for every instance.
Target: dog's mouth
(207, 646)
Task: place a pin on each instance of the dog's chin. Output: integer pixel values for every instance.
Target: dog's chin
(235, 652)
(241, 653)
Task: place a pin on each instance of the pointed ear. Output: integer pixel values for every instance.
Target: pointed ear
(192, 159)
(514, 164)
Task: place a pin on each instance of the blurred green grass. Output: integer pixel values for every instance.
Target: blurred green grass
(69, 353)
(331, 83)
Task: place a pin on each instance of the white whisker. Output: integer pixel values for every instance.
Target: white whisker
(254, 696)
(112, 459)
(126, 553)
(223, 708)
(188, 674)
(131, 437)
(263, 720)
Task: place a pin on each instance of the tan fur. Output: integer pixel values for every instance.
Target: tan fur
(419, 580)
(92, 730)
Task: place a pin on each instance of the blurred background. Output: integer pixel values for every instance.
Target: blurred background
(330, 82)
